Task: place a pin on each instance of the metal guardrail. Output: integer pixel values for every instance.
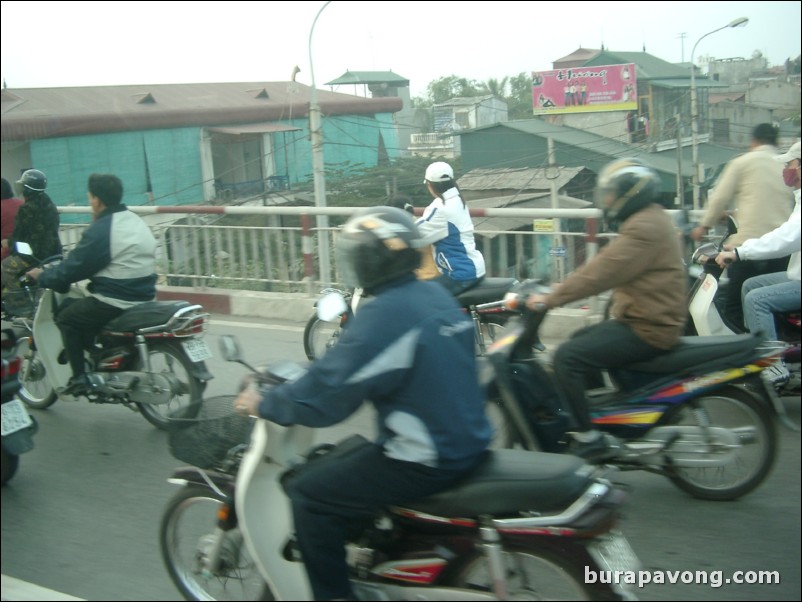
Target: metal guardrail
(197, 250)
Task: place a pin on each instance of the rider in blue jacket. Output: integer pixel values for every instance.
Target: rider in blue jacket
(410, 351)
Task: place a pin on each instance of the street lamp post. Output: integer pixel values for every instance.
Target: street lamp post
(318, 165)
(695, 110)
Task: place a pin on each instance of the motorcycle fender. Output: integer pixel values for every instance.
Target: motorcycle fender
(200, 371)
(190, 475)
(703, 311)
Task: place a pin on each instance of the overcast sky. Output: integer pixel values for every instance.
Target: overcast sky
(65, 44)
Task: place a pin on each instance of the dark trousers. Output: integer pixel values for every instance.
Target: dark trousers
(609, 344)
(739, 272)
(330, 498)
(455, 287)
(80, 321)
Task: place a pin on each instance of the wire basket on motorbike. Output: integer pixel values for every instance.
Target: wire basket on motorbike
(214, 438)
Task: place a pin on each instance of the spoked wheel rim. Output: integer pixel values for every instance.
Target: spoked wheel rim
(188, 540)
(748, 460)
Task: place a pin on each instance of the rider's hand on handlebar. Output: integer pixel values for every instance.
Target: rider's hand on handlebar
(725, 258)
(247, 402)
(34, 273)
(697, 233)
(536, 301)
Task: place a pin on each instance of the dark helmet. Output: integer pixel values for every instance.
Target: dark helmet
(377, 245)
(33, 180)
(624, 187)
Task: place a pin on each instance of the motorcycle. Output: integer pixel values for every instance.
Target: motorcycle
(151, 358)
(320, 335)
(524, 526)
(706, 319)
(699, 414)
(18, 427)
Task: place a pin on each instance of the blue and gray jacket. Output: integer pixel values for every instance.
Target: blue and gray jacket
(117, 253)
(410, 351)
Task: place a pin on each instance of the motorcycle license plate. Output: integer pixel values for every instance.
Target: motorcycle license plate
(197, 349)
(15, 417)
(613, 553)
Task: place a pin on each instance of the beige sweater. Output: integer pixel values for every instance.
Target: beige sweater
(752, 184)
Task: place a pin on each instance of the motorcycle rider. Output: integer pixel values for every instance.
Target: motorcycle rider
(411, 352)
(643, 265)
(764, 295)
(446, 224)
(753, 182)
(117, 253)
(36, 223)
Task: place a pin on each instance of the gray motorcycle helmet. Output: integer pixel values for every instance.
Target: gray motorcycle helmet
(33, 180)
(377, 245)
(624, 187)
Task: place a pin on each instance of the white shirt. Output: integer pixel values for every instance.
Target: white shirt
(780, 241)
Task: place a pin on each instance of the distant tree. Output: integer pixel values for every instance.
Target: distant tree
(446, 88)
(497, 88)
(519, 102)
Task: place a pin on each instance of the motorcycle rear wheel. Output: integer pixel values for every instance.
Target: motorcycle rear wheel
(186, 536)
(35, 388)
(529, 576)
(319, 337)
(169, 359)
(732, 408)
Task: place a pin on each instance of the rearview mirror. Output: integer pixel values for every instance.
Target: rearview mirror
(23, 248)
(230, 349)
(330, 307)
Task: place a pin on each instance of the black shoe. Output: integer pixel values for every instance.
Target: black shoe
(78, 385)
(603, 448)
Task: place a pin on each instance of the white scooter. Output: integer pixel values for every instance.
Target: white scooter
(705, 318)
(525, 526)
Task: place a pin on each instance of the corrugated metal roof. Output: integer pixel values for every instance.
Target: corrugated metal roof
(685, 82)
(648, 66)
(49, 112)
(710, 155)
(369, 77)
(527, 178)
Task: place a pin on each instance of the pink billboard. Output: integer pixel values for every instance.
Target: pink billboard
(585, 89)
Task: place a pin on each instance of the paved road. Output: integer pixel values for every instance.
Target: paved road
(82, 515)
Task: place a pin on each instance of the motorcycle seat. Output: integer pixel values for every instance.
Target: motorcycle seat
(510, 481)
(488, 289)
(708, 353)
(145, 315)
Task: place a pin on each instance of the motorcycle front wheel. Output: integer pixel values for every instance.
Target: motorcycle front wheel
(35, 388)
(171, 361)
(319, 337)
(736, 410)
(189, 534)
(529, 576)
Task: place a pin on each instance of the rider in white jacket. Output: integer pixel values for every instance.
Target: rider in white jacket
(763, 296)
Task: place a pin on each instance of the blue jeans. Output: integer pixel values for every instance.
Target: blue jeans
(763, 296)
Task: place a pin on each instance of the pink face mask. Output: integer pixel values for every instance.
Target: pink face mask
(790, 176)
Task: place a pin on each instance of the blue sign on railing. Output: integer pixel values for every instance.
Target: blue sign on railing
(557, 251)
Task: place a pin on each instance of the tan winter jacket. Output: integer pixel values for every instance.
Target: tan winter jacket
(643, 266)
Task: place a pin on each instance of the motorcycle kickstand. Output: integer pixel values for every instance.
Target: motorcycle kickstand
(492, 549)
